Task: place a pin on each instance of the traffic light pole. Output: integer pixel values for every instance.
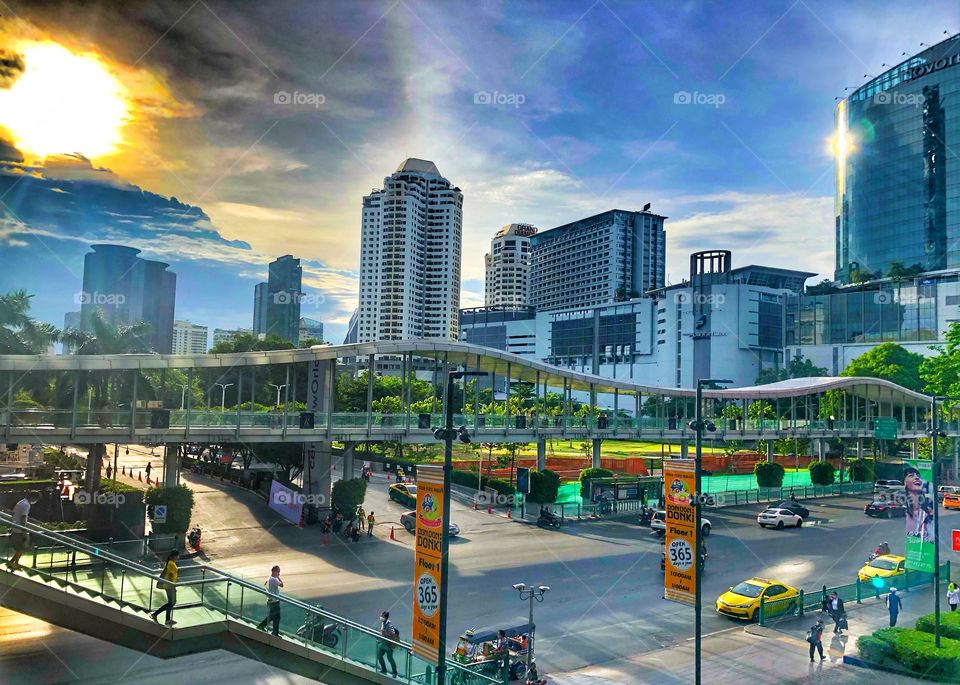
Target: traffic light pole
(445, 532)
(698, 533)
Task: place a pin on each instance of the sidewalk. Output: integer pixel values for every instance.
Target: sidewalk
(774, 654)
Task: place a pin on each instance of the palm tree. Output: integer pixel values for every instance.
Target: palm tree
(19, 334)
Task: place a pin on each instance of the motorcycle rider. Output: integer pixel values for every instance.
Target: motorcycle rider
(884, 548)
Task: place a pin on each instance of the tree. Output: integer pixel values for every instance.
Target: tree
(287, 455)
(888, 361)
(824, 287)
(799, 367)
(544, 486)
(821, 473)
(941, 373)
(769, 474)
(347, 495)
(19, 334)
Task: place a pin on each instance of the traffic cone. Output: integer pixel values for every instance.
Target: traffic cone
(148, 480)
(123, 470)
(490, 508)
(388, 476)
(476, 504)
(140, 476)
(326, 541)
(510, 513)
(391, 533)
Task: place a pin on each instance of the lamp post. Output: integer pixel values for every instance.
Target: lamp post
(223, 394)
(934, 433)
(698, 425)
(530, 592)
(447, 434)
(279, 388)
(183, 395)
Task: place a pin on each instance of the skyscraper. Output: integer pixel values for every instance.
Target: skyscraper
(276, 303)
(612, 256)
(410, 256)
(508, 266)
(189, 338)
(128, 289)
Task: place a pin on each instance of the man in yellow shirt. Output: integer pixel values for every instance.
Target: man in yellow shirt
(370, 522)
(168, 583)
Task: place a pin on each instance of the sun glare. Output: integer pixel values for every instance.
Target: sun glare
(63, 103)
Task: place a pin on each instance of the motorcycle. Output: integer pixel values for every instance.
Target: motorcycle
(193, 537)
(547, 520)
(314, 630)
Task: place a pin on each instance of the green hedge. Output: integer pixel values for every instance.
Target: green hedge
(589, 474)
(347, 495)
(821, 473)
(179, 501)
(949, 624)
(769, 474)
(861, 470)
(468, 479)
(544, 486)
(913, 651)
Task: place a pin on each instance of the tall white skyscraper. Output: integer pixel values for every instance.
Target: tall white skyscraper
(189, 338)
(508, 267)
(410, 256)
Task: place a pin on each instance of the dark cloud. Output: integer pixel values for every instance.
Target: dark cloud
(8, 153)
(11, 67)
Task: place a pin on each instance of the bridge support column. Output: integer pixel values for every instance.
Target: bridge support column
(684, 449)
(913, 448)
(171, 465)
(769, 451)
(542, 454)
(349, 449)
(859, 448)
(596, 453)
(820, 450)
(317, 461)
(94, 464)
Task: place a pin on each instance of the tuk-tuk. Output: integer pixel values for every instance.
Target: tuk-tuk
(476, 650)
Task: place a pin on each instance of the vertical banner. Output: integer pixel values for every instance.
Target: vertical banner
(920, 501)
(286, 502)
(679, 576)
(426, 564)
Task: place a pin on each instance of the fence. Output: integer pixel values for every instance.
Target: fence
(732, 498)
(854, 592)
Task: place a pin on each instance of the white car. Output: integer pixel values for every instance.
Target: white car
(778, 518)
(887, 486)
(658, 524)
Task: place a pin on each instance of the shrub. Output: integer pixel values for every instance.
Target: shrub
(769, 474)
(861, 470)
(591, 474)
(179, 501)
(347, 495)
(949, 624)
(544, 486)
(915, 651)
(821, 473)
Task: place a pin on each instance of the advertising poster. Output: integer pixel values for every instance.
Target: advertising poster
(920, 501)
(426, 564)
(679, 577)
(286, 502)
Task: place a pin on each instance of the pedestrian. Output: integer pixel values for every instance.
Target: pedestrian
(370, 521)
(836, 610)
(109, 471)
(149, 468)
(362, 516)
(20, 539)
(501, 650)
(813, 637)
(273, 583)
(168, 583)
(385, 646)
(953, 595)
(894, 604)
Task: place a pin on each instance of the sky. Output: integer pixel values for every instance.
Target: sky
(218, 136)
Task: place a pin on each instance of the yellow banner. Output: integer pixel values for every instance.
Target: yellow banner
(426, 576)
(679, 578)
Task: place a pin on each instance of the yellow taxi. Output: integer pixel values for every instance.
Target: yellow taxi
(884, 566)
(743, 600)
(951, 501)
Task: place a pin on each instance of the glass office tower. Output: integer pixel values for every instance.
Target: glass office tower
(898, 184)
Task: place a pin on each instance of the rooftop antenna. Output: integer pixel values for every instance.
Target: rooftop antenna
(646, 207)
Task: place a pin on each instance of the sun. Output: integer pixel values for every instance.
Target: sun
(63, 103)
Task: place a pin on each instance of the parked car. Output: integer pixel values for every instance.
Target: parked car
(795, 507)
(885, 508)
(947, 490)
(404, 493)
(658, 524)
(409, 521)
(775, 517)
(743, 600)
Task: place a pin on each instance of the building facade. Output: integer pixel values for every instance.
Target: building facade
(897, 184)
(221, 335)
(410, 247)
(729, 323)
(310, 329)
(127, 289)
(276, 303)
(507, 282)
(612, 256)
(189, 338)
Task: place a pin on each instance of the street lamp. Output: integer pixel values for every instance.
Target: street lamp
(183, 395)
(698, 425)
(279, 388)
(448, 434)
(934, 433)
(223, 394)
(530, 592)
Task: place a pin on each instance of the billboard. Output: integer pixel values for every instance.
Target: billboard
(920, 501)
(679, 576)
(286, 502)
(426, 565)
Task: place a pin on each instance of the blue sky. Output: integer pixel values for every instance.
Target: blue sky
(719, 114)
